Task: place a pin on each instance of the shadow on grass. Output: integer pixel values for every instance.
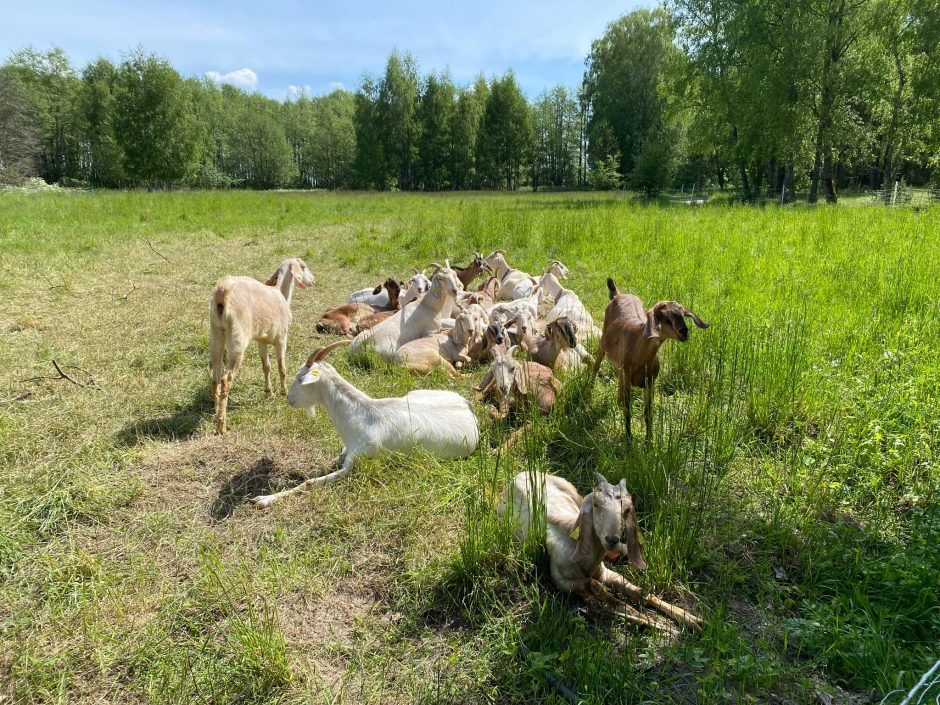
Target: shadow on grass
(261, 478)
(181, 424)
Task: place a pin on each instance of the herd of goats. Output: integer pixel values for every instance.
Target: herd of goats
(437, 319)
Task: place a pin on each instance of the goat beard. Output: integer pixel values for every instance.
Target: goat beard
(310, 411)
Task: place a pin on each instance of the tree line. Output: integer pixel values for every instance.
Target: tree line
(766, 97)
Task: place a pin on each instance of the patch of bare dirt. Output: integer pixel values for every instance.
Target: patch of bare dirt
(216, 476)
(322, 632)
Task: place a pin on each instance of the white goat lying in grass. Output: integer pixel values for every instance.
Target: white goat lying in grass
(441, 422)
(580, 533)
(417, 320)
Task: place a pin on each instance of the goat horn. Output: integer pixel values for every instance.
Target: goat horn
(321, 353)
(447, 263)
(434, 264)
(415, 270)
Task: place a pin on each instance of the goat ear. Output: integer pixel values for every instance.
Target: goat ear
(377, 289)
(485, 383)
(520, 376)
(634, 547)
(694, 316)
(600, 480)
(651, 330)
(583, 532)
(313, 374)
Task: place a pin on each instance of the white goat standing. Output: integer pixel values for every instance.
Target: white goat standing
(581, 533)
(416, 320)
(441, 422)
(243, 309)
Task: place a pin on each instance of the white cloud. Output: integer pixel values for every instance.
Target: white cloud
(241, 78)
(335, 86)
(299, 91)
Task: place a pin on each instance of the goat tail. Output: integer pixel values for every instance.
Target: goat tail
(220, 300)
(612, 288)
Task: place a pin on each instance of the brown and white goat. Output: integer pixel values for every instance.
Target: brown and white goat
(243, 309)
(580, 532)
(344, 320)
(630, 340)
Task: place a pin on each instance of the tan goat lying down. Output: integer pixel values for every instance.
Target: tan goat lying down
(580, 533)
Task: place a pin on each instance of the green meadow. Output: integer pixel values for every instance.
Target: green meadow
(789, 494)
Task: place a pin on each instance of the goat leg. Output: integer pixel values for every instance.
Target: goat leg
(282, 364)
(595, 369)
(265, 367)
(589, 588)
(626, 402)
(648, 408)
(265, 501)
(620, 584)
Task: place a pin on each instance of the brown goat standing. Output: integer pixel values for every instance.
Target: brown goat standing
(467, 274)
(631, 339)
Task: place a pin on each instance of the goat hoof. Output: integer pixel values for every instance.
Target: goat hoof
(263, 501)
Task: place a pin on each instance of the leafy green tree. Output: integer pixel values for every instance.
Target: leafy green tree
(555, 124)
(369, 162)
(504, 138)
(19, 138)
(154, 121)
(104, 154)
(395, 109)
(465, 128)
(435, 116)
(51, 86)
(333, 146)
(627, 71)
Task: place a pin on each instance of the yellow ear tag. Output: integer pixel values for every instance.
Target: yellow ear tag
(576, 532)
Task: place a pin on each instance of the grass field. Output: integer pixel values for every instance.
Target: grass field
(789, 496)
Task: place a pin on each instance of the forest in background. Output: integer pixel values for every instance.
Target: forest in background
(764, 97)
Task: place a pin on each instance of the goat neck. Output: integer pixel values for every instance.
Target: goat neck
(285, 284)
(347, 406)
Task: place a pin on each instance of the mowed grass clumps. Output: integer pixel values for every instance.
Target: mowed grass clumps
(789, 494)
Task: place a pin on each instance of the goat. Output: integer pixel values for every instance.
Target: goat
(441, 422)
(485, 294)
(345, 319)
(549, 348)
(443, 349)
(373, 320)
(513, 283)
(557, 268)
(418, 285)
(243, 309)
(631, 340)
(509, 380)
(580, 533)
(507, 310)
(414, 321)
(568, 304)
(381, 296)
(494, 338)
(467, 274)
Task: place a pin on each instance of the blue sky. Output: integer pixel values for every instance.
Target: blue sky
(279, 48)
